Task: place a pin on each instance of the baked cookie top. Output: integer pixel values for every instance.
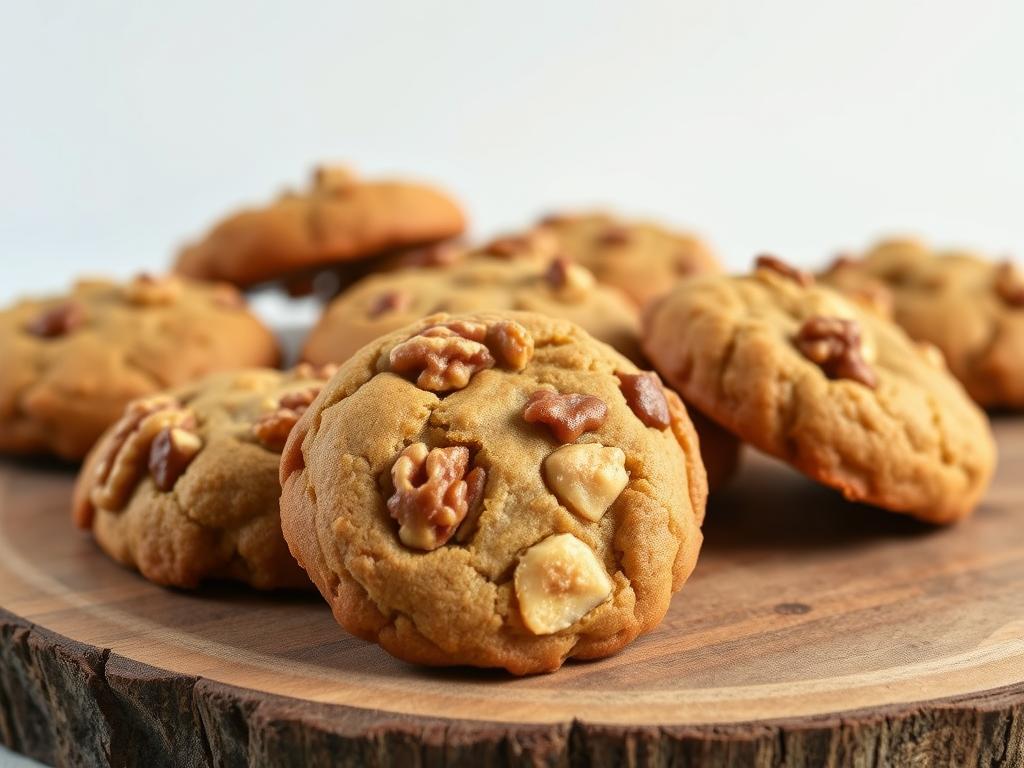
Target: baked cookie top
(338, 218)
(836, 390)
(184, 487)
(640, 258)
(970, 307)
(382, 303)
(71, 363)
(494, 489)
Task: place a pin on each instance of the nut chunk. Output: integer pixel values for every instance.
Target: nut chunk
(272, 429)
(511, 344)
(133, 446)
(443, 358)
(645, 397)
(834, 343)
(568, 416)
(432, 493)
(778, 266)
(1010, 284)
(558, 582)
(586, 478)
(57, 321)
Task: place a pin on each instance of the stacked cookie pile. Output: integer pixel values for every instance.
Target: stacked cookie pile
(471, 462)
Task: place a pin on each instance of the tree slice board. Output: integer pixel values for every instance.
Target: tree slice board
(813, 632)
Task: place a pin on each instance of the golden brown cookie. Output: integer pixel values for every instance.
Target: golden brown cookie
(71, 363)
(494, 489)
(642, 259)
(382, 303)
(339, 218)
(184, 487)
(969, 307)
(839, 392)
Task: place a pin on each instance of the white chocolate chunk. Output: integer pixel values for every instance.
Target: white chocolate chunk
(586, 478)
(559, 581)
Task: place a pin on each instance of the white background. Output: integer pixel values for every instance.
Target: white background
(798, 127)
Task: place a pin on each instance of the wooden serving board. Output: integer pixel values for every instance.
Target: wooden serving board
(813, 632)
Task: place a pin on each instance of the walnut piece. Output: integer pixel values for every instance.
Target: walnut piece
(131, 447)
(57, 321)
(645, 397)
(558, 581)
(442, 358)
(148, 290)
(432, 493)
(170, 454)
(586, 478)
(536, 243)
(388, 302)
(777, 265)
(310, 371)
(445, 357)
(568, 415)
(272, 429)
(568, 279)
(834, 344)
(1009, 284)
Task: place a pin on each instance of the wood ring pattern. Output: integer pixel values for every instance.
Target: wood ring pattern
(814, 632)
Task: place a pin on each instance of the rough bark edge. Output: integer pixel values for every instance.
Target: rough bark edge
(70, 704)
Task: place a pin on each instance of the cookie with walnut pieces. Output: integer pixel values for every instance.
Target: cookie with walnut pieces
(184, 487)
(71, 363)
(640, 258)
(496, 490)
(969, 307)
(833, 388)
(552, 286)
(339, 219)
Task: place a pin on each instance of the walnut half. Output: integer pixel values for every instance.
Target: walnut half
(433, 493)
(834, 344)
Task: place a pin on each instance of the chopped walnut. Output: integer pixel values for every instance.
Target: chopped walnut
(645, 397)
(435, 255)
(432, 493)
(1009, 284)
(171, 452)
(569, 279)
(777, 265)
(272, 429)
(511, 344)
(614, 236)
(586, 478)
(476, 482)
(568, 415)
(558, 581)
(442, 358)
(128, 450)
(147, 290)
(388, 302)
(834, 344)
(57, 321)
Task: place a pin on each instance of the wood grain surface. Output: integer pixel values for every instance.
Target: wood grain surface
(814, 632)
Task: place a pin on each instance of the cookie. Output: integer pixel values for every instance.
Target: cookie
(836, 390)
(382, 303)
(494, 489)
(71, 363)
(338, 219)
(642, 259)
(969, 307)
(184, 487)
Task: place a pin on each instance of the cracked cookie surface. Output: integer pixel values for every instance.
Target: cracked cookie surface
(969, 307)
(640, 258)
(383, 303)
(340, 218)
(71, 363)
(452, 525)
(185, 486)
(836, 390)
